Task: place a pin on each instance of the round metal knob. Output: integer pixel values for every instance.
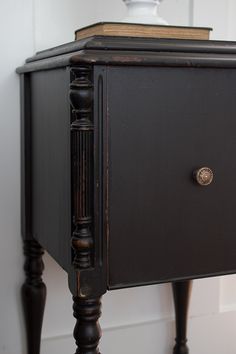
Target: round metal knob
(203, 176)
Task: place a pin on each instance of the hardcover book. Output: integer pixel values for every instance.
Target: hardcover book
(142, 30)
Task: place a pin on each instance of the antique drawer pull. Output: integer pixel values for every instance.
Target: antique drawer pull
(203, 176)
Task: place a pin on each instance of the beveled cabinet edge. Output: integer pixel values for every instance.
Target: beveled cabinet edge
(136, 51)
(88, 277)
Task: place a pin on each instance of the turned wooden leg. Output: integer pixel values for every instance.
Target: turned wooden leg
(87, 332)
(181, 292)
(33, 295)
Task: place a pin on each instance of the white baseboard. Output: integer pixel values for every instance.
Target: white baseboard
(207, 335)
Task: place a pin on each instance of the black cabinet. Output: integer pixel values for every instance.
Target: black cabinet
(128, 173)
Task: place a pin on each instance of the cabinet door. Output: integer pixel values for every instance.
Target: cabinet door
(163, 124)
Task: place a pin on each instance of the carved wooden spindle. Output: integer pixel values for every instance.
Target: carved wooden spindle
(87, 332)
(81, 97)
(33, 294)
(182, 293)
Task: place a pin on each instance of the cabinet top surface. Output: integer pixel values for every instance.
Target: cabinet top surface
(134, 51)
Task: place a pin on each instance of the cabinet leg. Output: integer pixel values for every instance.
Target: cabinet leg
(182, 293)
(87, 332)
(33, 295)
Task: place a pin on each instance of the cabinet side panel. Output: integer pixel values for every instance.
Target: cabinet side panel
(51, 205)
(25, 157)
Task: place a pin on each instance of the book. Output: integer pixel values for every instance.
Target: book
(142, 30)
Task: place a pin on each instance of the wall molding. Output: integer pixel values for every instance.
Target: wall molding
(133, 324)
(207, 334)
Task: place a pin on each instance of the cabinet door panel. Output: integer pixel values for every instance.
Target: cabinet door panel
(163, 123)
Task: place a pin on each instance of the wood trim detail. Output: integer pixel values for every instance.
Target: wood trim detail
(82, 162)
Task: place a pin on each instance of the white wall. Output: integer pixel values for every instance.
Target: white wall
(134, 319)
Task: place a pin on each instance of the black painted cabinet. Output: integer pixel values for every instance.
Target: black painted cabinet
(128, 173)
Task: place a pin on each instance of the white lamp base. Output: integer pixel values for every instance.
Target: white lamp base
(143, 11)
(151, 20)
